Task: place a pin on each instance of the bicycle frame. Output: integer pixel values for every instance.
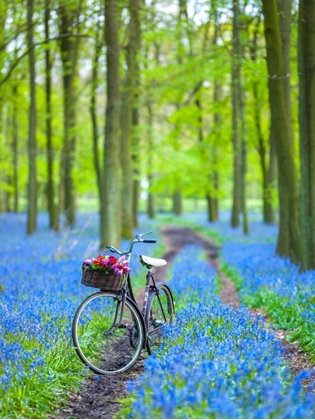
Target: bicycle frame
(127, 290)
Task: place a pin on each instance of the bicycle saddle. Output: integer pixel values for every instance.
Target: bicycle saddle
(150, 262)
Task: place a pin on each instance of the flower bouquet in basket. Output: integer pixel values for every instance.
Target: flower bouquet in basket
(105, 272)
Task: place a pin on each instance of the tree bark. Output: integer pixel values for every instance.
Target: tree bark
(285, 20)
(150, 146)
(69, 23)
(15, 147)
(52, 209)
(271, 211)
(177, 203)
(127, 105)
(3, 16)
(289, 200)
(93, 113)
(136, 117)
(261, 142)
(135, 155)
(238, 127)
(212, 196)
(110, 217)
(306, 65)
(284, 15)
(32, 145)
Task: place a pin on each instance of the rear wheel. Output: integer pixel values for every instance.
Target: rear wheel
(160, 312)
(107, 339)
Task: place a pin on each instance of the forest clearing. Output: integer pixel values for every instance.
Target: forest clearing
(190, 118)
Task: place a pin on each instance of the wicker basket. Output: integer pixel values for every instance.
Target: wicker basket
(100, 280)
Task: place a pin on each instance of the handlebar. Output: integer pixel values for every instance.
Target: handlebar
(134, 240)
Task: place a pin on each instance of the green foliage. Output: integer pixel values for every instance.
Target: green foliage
(180, 65)
(126, 404)
(232, 274)
(47, 385)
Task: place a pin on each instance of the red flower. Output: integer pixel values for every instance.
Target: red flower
(112, 260)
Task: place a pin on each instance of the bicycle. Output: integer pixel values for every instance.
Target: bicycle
(109, 329)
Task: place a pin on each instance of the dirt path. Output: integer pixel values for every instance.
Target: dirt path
(98, 398)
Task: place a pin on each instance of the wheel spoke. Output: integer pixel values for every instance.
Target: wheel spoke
(106, 339)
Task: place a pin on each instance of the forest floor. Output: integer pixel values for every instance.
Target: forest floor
(100, 394)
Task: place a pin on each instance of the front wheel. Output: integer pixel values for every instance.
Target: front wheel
(160, 312)
(107, 337)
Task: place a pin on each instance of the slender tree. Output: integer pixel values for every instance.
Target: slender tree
(150, 145)
(306, 65)
(69, 27)
(289, 200)
(271, 211)
(238, 126)
(127, 106)
(93, 106)
(212, 196)
(284, 14)
(110, 214)
(3, 16)
(135, 138)
(32, 144)
(52, 208)
(15, 148)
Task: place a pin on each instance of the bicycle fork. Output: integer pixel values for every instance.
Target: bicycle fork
(117, 322)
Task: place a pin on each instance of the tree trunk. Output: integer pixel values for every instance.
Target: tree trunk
(150, 144)
(32, 146)
(285, 20)
(288, 190)
(69, 23)
(3, 16)
(135, 157)
(177, 203)
(236, 118)
(261, 143)
(284, 14)
(127, 106)
(93, 113)
(15, 148)
(136, 117)
(52, 209)
(306, 65)
(212, 197)
(110, 217)
(271, 212)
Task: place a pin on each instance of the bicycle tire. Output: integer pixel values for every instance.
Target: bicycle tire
(104, 345)
(156, 318)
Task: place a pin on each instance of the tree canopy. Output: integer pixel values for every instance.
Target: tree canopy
(177, 103)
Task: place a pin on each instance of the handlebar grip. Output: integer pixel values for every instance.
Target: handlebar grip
(149, 241)
(111, 248)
